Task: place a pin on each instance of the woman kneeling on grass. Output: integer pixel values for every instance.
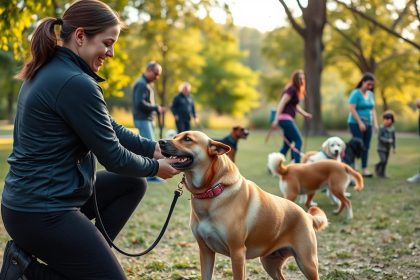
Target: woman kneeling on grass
(62, 125)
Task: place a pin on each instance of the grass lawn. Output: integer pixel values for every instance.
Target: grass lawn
(381, 242)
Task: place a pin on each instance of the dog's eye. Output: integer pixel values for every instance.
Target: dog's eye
(187, 139)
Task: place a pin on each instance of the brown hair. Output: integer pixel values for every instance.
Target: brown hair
(297, 83)
(367, 76)
(388, 115)
(92, 15)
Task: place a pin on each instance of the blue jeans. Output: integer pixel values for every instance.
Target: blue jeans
(365, 136)
(292, 135)
(145, 128)
(183, 125)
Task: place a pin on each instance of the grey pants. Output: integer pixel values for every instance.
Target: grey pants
(380, 167)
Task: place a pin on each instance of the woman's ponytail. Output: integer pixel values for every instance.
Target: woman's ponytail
(43, 46)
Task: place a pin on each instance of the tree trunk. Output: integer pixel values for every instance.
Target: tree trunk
(313, 70)
(315, 17)
(384, 101)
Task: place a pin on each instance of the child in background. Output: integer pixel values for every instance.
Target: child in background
(386, 141)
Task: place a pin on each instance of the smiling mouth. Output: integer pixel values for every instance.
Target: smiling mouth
(184, 160)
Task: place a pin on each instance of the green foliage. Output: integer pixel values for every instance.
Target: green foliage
(227, 85)
(356, 43)
(164, 33)
(113, 71)
(251, 40)
(15, 18)
(283, 47)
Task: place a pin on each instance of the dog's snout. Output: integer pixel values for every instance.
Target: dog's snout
(163, 143)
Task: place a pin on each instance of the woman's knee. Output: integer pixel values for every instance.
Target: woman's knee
(137, 186)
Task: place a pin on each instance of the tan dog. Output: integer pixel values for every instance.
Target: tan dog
(332, 148)
(307, 178)
(234, 217)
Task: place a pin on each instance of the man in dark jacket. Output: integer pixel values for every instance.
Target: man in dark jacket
(183, 108)
(144, 104)
(144, 100)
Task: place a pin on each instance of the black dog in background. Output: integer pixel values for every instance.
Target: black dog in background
(237, 132)
(354, 149)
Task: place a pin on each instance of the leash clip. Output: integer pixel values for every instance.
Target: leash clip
(180, 185)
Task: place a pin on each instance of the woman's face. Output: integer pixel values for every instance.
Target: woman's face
(301, 79)
(367, 85)
(96, 49)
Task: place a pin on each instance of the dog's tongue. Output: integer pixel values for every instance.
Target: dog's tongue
(173, 160)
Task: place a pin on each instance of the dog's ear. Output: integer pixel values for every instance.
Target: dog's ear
(216, 148)
(324, 146)
(343, 148)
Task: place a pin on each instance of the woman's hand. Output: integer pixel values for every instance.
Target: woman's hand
(307, 115)
(157, 154)
(274, 123)
(165, 168)
(362, 127)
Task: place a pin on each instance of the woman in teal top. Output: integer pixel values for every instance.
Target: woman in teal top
(362, 116)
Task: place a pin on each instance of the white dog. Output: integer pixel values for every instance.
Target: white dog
(332, 148)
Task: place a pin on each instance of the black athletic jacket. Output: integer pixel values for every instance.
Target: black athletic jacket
(62, 125)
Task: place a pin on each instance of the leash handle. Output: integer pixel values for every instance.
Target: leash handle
(177, 194)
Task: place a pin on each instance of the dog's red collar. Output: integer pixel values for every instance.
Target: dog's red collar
(210, 193)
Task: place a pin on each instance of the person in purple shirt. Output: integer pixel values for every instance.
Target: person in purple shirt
(286, 111)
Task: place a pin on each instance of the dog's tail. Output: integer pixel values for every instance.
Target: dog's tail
(275, 164)
(357, 177)
(319, 219)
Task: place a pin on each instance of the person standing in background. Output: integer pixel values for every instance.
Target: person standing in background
(386, 141)
(362, 116)
(286, 111)
(144, 100)
(183, 108)
(144, 105)
(287, 108)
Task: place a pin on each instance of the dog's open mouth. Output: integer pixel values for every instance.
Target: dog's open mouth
(184, 160)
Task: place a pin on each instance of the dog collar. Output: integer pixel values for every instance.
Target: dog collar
(325, 154)
(210, 193)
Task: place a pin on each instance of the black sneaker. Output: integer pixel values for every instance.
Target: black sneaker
(15, 261)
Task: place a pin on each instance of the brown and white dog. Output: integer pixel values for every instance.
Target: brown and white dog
(332, 148)
(307, 178)
(232, 216)
(232, 139)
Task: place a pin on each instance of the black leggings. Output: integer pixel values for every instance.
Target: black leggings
(68, 242)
